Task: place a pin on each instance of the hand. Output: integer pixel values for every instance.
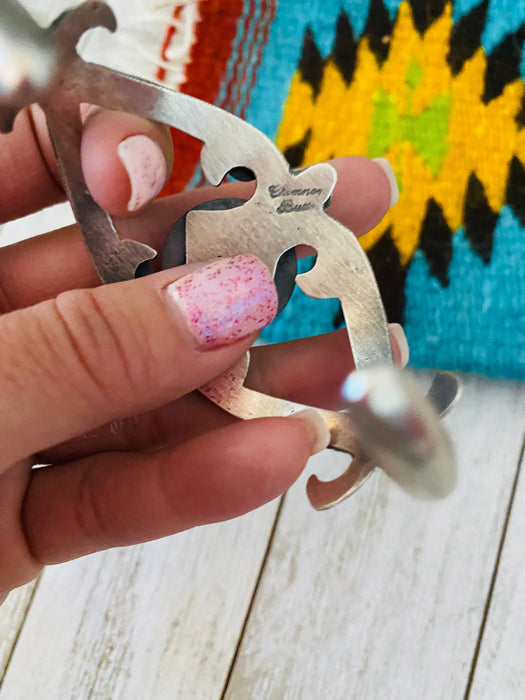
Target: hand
(98, 382)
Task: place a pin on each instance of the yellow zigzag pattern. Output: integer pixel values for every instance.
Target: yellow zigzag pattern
(481, 137)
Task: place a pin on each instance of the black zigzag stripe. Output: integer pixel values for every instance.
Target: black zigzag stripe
(311, 63)
(503, 64)
(466, 37)
(425, 12)
(338, 319)
(378, 30)
(295, 154)
(520, 116)
(345, 49)
(390, 275)
(436, 242)
(479, 219)
(515, 194)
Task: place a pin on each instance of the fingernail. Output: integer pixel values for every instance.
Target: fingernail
(146, 167)
(87, 111)
(226, 300)
(385, 166)
(399, 344)
(317, 428)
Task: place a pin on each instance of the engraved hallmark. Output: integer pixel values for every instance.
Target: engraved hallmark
(288, 203)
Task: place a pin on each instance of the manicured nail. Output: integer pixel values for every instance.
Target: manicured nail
(319, 432)
(225, 300)
(385, 166)
(399, 344)
(88, 111)
(146, 167)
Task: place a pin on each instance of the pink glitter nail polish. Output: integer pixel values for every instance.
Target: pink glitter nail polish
(226, 300)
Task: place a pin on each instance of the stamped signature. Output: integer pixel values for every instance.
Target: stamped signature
(288, 197)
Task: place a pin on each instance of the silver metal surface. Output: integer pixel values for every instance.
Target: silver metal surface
(28, 61)
(287, 209)
(400, 430)
(174, 253)
(389, 424)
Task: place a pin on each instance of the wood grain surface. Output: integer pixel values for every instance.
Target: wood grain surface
(500, 667)
(160, 620)
(384, 597)
(12, 617)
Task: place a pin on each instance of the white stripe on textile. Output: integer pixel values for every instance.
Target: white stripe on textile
(136, 46)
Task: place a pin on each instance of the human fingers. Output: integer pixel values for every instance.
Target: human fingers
(111, 499)
(364, 192)
(169, 425)
(17, 565)
(311, 371)
(126, 161)
(42, 267)
(308, 371)
(33, 181)
(91, 356)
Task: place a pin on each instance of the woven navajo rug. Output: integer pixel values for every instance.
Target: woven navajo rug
(435, 86)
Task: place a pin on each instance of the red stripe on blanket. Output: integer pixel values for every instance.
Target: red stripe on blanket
(270, 9)
(214, 35)
(242, 58)
(170, 33)
(249, 57)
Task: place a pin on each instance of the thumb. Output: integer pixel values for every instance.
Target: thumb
(90, 356)
(125, 161)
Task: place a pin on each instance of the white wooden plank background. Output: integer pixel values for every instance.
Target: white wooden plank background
(500, 667)
(12, 617)
(154, 621)
(383, 597)
(43, 221)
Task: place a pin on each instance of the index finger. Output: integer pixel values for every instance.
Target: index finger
(40, 268)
